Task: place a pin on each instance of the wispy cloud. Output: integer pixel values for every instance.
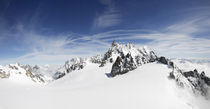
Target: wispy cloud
(110, 17)
(193, 25)
(183, 39)
(43, 49)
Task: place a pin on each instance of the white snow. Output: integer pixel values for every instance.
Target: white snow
(17, 74)
(147, 87)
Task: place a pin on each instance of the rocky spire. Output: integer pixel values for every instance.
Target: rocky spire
(114, 43)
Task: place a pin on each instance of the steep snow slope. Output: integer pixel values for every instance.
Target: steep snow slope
(147, 87)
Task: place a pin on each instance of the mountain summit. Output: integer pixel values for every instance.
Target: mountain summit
(121, 59)
(125, 76)
(124, 57)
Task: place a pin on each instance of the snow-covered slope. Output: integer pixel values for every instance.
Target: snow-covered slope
(146, 87)
(24, 74)
(100, 82)
(124, 58)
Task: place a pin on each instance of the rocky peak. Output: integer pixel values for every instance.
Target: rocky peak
(75, 64)
(123, 49)
(114, 43)
(25, 70)
(128, 57)
(70, 65)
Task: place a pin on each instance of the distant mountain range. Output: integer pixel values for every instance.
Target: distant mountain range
(124, 58)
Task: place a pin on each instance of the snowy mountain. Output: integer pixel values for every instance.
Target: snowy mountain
(124, 58)
(24, 73)
(125, 76)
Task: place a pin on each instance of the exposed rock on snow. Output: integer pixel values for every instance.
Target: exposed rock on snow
(123, 65)
(71, 65)
(122, 57)
(163, 60)
(96, 59)
(26, 71)
(4, 74)
(128, 57)
(198, 83)
(75, 64)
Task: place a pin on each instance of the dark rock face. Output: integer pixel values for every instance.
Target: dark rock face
(194, 74)
(74, 64)
(3, 74)
(59, 75)
(140, 55)
(102, 63)
(171, 75)
(153, 58)
(199, 81)
(171, 64)
(194, 80)
(205, 78)
(111, 60)
(198, 77)
(116, 68)
(128, 57)
(107, 55)
(123, 65)
(163, 60)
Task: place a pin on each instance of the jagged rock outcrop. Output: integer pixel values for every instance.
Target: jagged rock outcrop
(197, 82)
(140, 55)
(4, 74)
(96, 59)
(124, 58)
(58, 75)
(127, 57)
(205, 78)
(75, 64)
(71, 65)
(25, 70)
(123, 64)
(35, 73)
(163, 60)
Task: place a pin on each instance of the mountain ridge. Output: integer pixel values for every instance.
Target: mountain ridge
(123, 58)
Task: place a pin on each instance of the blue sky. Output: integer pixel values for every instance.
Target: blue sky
(52, 31)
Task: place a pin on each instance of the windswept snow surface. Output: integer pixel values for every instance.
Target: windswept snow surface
(147, 87)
